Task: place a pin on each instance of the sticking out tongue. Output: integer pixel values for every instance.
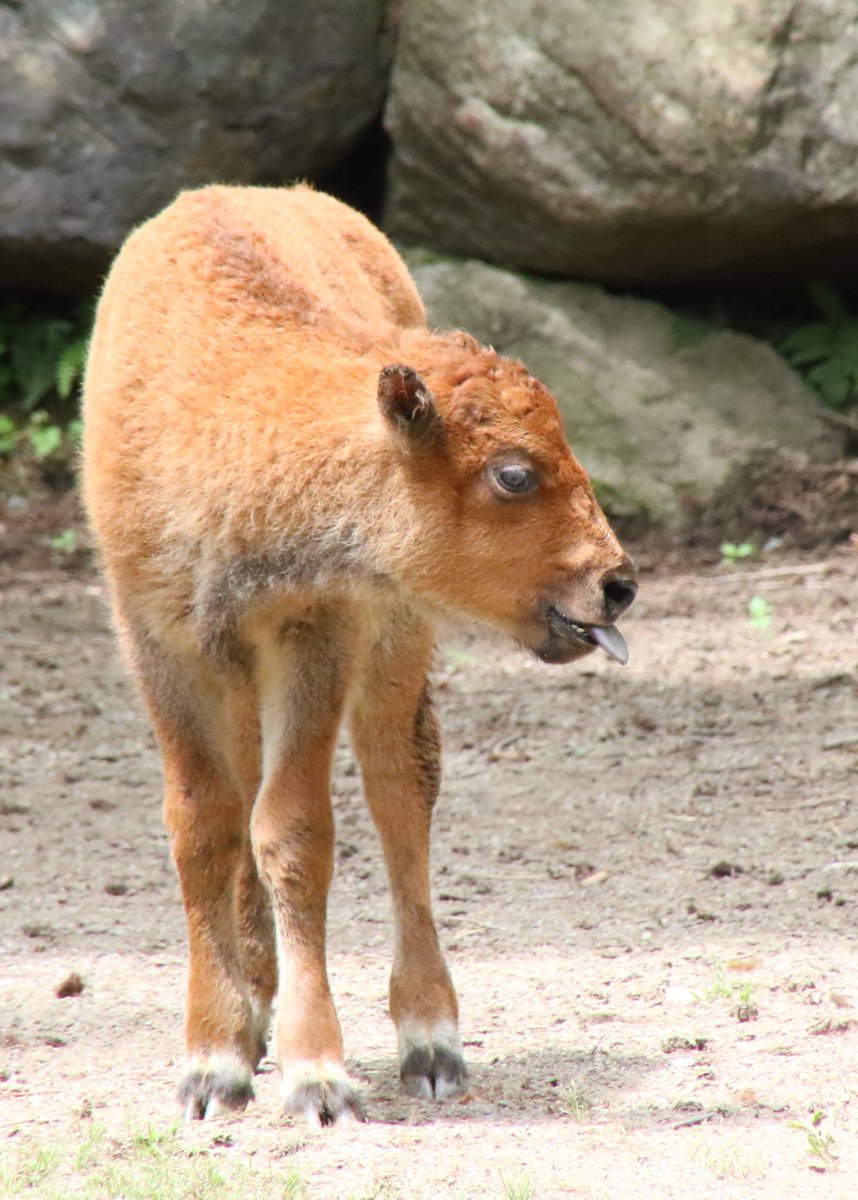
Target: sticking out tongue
(611, 641)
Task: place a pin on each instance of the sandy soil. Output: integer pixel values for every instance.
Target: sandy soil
(646, 880)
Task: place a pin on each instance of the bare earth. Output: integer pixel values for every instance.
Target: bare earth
(646, 880)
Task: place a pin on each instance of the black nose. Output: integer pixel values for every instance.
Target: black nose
(619, 592)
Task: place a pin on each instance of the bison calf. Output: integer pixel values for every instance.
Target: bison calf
(290, 477)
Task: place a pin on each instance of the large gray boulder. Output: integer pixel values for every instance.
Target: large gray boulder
(109, 107)
(639, 142)
(657, 408)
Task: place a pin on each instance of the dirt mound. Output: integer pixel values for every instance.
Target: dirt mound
(786, 495)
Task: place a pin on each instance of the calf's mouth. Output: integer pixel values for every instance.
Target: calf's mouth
(568, 639)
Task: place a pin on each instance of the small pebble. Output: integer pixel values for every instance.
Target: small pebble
(72, 985)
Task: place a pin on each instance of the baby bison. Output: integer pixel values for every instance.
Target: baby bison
(290, 478)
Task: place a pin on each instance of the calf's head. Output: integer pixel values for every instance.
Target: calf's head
(508, 527)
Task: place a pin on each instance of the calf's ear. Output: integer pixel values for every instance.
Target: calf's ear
(407, 404)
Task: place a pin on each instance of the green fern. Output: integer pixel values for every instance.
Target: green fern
(826, 352)
(69, 367)
(41, 355)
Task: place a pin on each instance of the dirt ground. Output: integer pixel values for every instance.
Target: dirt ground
(646, 881)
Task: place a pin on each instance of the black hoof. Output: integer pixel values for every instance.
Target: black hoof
(323, 1095)
(207, 1092)
(433, 1072)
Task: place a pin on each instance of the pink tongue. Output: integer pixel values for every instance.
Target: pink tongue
(611, 641)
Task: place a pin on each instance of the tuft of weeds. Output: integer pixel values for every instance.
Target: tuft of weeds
(727, 1157)
(576, 1104)
(519, 1188)
(28, 1170)
(63, 546)
(820, 1144)
(148, 1164)
(738, 991)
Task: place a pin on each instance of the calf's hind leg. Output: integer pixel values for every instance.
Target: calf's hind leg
(255, 927)
(395, 737)
(209, 749)
(207, 823)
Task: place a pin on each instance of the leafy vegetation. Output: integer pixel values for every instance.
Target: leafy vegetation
(825, 352)
(821, 1146)
(147, 1164)
(760, 614)
(519, 1188)
(577, 1105)
(722, 988)
(42, 355)
(731, 552)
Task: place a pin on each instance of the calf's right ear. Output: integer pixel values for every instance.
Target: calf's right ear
(407, 403)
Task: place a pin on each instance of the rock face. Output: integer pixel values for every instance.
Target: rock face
(109, 107)
(641, 142)
(657, 408)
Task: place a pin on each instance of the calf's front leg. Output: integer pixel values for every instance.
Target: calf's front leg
(300, 684)
(395, 737)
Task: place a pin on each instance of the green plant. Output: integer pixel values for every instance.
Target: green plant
(732, 552)
(41, 354)
(151, 1163)
(520, 1188)
(728, 1156)
(760, 614)
(91, 1146)
(8, 434)
(577, 1106)
(34, 1164)
(820, 1146)
(44, 439)
(825, 352)
(64, 544)
(722, 988)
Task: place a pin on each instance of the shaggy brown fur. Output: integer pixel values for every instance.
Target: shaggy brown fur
(289, 476)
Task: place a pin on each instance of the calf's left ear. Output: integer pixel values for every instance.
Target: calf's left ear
(407, 403)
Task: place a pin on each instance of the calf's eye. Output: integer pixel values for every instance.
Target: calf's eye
(514, 478)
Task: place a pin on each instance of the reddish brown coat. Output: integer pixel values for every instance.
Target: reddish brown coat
(289, 477)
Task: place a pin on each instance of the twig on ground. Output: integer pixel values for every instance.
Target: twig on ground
(770, 572)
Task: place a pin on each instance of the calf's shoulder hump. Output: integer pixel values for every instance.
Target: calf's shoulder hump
(287, 253)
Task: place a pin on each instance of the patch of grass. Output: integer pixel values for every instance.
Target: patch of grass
(28, 1169)
(147, 1164)
(737, 991)
(92, 1145)
(519, 1188)
(728, 1157)
(577, 1105)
